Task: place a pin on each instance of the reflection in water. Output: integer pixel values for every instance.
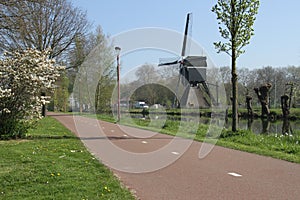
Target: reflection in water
(250, 122)
(265, 125)
(257, 126)
(286, 127)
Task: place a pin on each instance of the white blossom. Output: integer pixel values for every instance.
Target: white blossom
(24, 75)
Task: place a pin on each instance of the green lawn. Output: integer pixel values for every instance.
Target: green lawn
(53, 164)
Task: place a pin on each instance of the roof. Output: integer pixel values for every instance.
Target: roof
(197, 61)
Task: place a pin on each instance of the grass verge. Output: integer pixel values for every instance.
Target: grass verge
(285, 147)
(53, 164)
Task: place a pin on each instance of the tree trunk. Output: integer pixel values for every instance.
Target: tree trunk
(234, 78)
(285, 106)
(249, 106)
(97, 97)
(263, 96)
(43, 106)
(234, 81)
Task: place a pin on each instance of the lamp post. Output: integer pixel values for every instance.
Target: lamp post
(118, 49)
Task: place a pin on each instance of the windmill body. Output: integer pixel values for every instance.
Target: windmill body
(194, 69)
(192, 73)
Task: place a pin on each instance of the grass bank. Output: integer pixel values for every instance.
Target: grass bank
(51, 163)
(285, 147)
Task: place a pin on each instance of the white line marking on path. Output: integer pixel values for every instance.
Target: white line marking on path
(175, 153)
(144, 142)
(234, 174)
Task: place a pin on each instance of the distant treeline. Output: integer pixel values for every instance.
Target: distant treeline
(281, 79)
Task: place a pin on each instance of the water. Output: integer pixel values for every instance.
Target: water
(257, 126)
(264, 126)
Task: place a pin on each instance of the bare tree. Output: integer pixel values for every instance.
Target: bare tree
(40, 24)
(226, 73)
(293, 76)
(147, 74)
(265, 75)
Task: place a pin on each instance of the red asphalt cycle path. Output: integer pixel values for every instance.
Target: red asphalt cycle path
(223, 174)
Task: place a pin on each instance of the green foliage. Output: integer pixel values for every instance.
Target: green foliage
(104, 94)
(153, 94)
(236, 19)
(228, 133)
(93, 74)
(171, 126)
(12, 128)
(60, 97)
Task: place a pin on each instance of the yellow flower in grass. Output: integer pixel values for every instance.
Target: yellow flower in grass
(106, 188)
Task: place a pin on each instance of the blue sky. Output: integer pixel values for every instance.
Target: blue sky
(277, 32)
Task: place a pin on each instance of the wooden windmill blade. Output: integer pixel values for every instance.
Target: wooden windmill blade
(192, 71)
(179, 61)
(174, 61)
(186, 33)
(168, 61)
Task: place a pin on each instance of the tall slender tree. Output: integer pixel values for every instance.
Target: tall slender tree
(94, 54)
(235, 19)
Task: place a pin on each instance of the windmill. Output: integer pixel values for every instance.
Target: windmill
(192, 74)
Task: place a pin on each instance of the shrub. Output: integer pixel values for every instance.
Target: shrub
(24, 76)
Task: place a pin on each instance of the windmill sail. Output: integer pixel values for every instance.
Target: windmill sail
(184, 45)
(192, 74)
(168, 61)
(183, 51)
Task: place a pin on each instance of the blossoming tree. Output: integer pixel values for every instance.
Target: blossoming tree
(24, 75)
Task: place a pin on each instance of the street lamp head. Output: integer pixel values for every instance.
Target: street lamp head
(118, 49)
